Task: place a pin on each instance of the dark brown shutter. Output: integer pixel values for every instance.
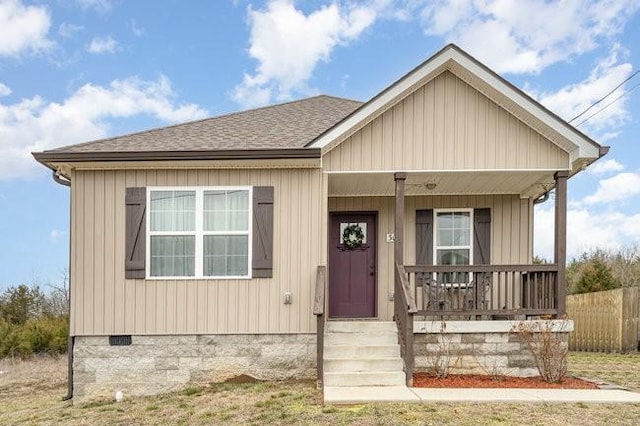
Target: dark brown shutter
(481, 236)
(424, 237)
(135, 229)
(262, 258)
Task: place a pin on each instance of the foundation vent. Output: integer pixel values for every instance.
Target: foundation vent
(124, 340)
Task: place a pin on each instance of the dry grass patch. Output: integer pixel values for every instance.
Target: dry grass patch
(42, 370)
(34, 397)
(620, 369)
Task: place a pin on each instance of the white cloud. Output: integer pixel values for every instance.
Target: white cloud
(4, 90)
(605, 166)
(103, 45)
(100, 6)
(24, 28)
(35, 124)
(135, 29)
(619, 187)
(572, 100)
(507, 35)
(587, 229)
(55, 235)
(525, 37)
(289, 44)
(67, 30)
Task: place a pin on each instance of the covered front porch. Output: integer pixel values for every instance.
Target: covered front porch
(487, 291)
(495, 277)
(511, 288)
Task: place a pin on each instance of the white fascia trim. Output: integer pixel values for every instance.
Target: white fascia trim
(494, 171)
(584, 148)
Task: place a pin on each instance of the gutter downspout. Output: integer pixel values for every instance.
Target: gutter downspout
(71, 340)
(57, 177)
(602, 151)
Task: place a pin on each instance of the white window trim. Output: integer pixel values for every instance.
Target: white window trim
(436, 246)
(199, 232)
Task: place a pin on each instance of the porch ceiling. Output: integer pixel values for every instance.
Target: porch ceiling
(526, 183)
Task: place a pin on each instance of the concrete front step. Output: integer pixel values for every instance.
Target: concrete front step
(378, 378)
(360, 326)
(346, 365)
(351, 351)
(362, 353)
(361, 339)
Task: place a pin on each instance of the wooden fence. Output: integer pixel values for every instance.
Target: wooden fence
(605, 321)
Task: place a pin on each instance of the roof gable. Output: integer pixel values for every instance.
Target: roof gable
(452, 58)
(445, 125)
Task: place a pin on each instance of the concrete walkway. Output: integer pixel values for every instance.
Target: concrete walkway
(344, 395)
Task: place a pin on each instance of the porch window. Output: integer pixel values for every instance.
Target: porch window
(199, 232)
(453, 243)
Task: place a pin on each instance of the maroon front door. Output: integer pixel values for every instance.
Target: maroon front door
(352, 266)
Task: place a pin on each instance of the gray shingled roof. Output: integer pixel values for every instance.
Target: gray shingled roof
(289, 125)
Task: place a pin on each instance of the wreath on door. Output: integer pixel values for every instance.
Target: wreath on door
(352, 237)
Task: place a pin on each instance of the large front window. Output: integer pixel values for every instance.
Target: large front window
(452, 244)
(199, 232)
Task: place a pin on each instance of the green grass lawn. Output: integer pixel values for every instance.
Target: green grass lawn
(30, 393)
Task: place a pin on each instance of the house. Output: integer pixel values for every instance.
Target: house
(235, 245)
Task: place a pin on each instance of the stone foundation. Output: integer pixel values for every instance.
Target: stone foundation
(158, 364)
(481, 347)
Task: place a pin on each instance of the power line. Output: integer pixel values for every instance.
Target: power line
(603, 98)
(626, 92)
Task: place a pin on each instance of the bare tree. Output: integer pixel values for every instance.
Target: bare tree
(625, 266)
(59, 295)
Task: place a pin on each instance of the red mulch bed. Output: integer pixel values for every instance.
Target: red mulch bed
(426, 380)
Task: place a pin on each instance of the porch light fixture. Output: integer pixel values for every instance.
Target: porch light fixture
(431, 185)
(546, 186)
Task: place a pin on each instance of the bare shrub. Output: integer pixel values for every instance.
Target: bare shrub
(546, 344)
(441, 357)
(495, 370)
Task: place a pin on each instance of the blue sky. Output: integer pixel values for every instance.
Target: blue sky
(77, 70)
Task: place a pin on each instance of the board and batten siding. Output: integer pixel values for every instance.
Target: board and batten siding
(511, 237)
(104, 302)
(445, 125)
